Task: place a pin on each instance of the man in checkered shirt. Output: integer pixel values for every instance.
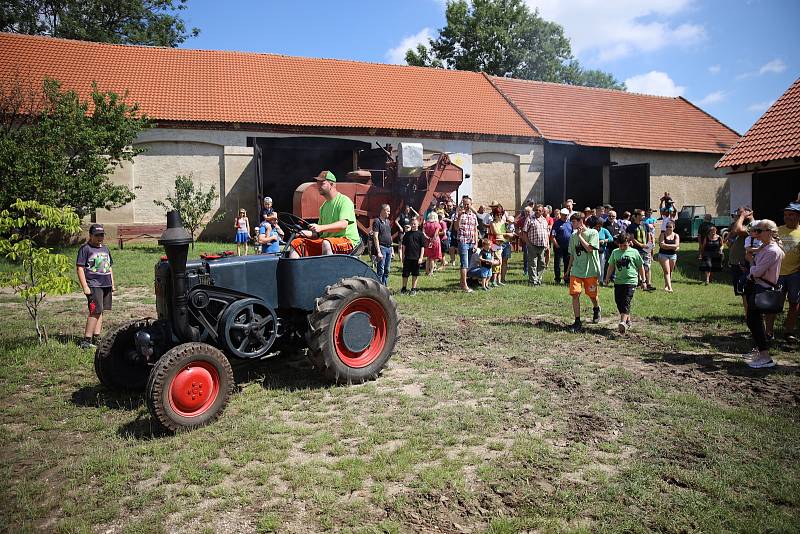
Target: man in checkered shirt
(538, 234)
(467, 228)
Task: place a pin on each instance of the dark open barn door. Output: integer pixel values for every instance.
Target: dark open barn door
(772, 191)
(629, 187)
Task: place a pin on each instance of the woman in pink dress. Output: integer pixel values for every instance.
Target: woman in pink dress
(433, 244)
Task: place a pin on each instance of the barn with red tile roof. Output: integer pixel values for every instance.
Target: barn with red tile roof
(764, 165)
(621, 147)
(261, 124)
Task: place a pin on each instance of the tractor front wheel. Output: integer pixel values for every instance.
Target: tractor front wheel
(353, 330)
(189, 387)
(117, 363)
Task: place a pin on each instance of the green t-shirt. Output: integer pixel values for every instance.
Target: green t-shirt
(585, 264)
(626, 266)
(340, 208)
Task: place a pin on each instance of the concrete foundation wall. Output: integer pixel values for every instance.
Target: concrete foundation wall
(690, 178)
(221, 158)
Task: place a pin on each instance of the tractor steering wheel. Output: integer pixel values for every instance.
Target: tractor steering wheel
(292, 222)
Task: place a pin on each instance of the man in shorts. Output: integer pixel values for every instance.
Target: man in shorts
(93, 268)
(336, 232)
(789, 277)
(583, 268)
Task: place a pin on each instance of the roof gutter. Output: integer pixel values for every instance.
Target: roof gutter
(513, 105)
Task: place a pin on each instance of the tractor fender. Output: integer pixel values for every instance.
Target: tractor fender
(301, 281)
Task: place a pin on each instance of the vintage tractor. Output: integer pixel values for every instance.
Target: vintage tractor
(247, 308)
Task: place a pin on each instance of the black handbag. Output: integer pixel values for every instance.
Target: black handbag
(767, 299)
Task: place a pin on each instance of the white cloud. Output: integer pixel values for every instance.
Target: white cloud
(711, 98)
(714, 69)
(760, 107)
(397, 55)
(776, 66)
(654, 83)
(771, 67)
(604, 31)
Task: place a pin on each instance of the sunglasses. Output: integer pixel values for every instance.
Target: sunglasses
(758, 230)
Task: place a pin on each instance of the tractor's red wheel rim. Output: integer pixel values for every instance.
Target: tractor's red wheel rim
(377, 319)
(194, 389)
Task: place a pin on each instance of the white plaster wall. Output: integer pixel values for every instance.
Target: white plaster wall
(689, 177)
(741, 190)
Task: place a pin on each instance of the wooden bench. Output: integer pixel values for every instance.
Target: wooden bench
(127, 232)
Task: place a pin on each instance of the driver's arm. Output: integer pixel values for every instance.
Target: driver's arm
(332, 227)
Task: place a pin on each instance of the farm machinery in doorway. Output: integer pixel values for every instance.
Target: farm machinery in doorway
(403, 182)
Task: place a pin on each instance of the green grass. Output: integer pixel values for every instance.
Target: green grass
(489, 418)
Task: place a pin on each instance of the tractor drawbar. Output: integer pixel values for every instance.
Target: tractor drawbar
(176, 240)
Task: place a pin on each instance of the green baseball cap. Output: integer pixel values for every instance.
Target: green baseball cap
(326, 175)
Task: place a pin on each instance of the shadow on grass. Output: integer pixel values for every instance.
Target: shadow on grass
(714, 364)
(98, 395)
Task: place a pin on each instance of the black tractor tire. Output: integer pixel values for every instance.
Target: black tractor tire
(189, 387)
(113, 363)
(363, 299)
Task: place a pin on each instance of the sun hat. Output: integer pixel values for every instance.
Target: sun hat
(564, 211)
(326, 175)
(494, 204)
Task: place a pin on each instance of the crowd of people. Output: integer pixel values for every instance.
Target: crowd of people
(597, 247)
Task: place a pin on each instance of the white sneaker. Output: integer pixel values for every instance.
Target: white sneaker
(761, 363)
(622, 328)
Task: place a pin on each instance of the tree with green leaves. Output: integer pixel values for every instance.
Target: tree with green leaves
(192, 203)
(143, 22)
(60, 151)
(505, 38)
(37, 272)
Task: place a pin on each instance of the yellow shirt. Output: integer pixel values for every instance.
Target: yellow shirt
(790, 239)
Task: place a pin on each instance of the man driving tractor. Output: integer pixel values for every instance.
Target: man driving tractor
(336, 232)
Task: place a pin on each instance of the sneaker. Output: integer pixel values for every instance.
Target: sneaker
(789, 338)
(576, 327)
(650, 288)
(628, 324)
(622, 328)
(85, 344)
(596, 315)
(761, 363)
(403, 291)
(485, 288)
(413, 292)
(501, 283)
(752, 355)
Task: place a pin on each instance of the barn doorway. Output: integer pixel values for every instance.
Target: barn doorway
(283, 163)
(629, 187)
(772, 191)
(573, 171)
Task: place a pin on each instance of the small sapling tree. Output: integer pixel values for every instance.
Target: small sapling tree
(38, 272)
(192, 203)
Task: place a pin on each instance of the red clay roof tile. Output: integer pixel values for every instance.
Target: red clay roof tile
(618, 119)
(774, 136)
(236, 87)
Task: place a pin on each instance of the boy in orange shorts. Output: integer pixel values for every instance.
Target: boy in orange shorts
(583, 268)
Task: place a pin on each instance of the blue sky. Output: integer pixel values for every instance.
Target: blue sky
(733, 59)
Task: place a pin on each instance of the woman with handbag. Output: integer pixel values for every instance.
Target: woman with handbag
(762, 294)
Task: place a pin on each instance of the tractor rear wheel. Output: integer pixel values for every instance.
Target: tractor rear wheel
(117, 363)
(353, 330)
(189, 387)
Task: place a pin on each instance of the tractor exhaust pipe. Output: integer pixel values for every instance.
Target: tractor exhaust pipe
(175, 241)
